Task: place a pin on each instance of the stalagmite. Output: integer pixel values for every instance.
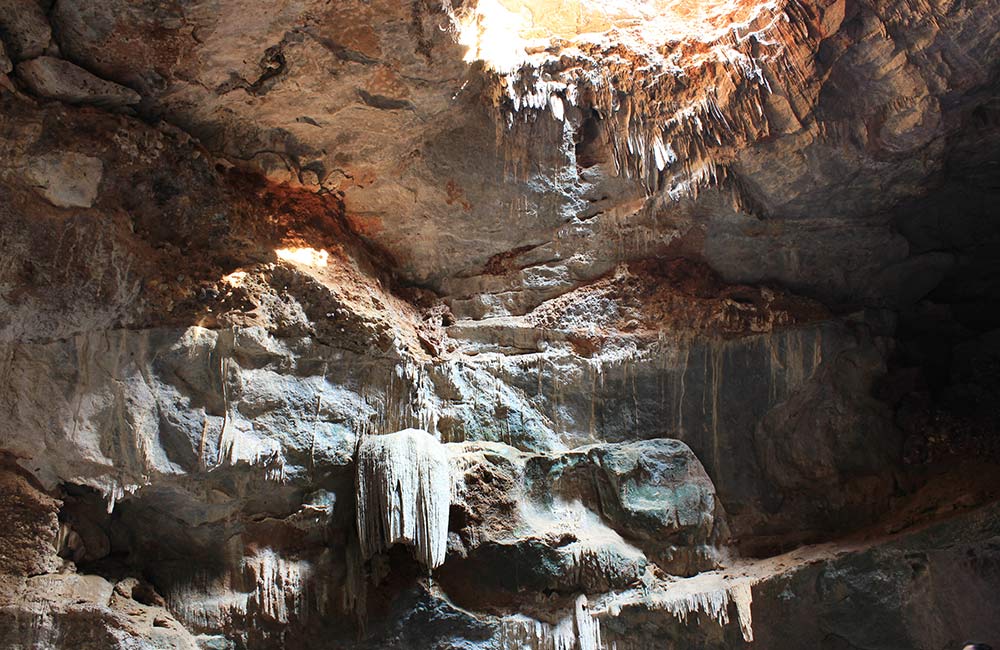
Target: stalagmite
(403, 494)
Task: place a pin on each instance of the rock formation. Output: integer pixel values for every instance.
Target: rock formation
(403, 495)
(495, 324)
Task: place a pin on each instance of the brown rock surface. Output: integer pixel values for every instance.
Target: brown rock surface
(28, 538)
(24, 28)
(701, 303)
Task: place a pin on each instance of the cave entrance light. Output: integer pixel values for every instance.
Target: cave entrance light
(507, 34)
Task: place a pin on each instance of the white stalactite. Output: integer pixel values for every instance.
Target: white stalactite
(713, 602)
(580, 630)
(279, 588)
(403, 494)
(742, 594)
(588, 628)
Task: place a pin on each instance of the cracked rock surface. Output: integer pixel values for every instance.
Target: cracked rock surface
(321, 327)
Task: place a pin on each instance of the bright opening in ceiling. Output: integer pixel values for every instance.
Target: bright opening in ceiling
(304, 256)
(505, 34)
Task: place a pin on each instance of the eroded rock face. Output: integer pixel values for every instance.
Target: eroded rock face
(633, 344)
(30, 536)
(5, 64)
(782, 128)
(45, 604)
(67, 179)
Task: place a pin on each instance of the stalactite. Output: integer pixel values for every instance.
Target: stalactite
(403, 494)
(660, 134)
(520, 632)
(714, 602)
(209, 600)
(588, 628)
(279, 585)
(115, 492)
(579, 630)
(355, 589)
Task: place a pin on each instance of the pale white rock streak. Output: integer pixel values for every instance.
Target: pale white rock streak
(403, 494)
(588, 628)
(715, 603)
(580, 630)
(279, 588)
(709, 594)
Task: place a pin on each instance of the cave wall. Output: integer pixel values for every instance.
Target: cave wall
(746, 398)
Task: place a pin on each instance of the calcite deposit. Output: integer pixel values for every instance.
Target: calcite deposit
(499, 324)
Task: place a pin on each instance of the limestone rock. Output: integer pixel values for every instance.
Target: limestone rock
(527, 535)
(28, 539)
(584, 520)
(775, 169)
(55, 78)
(655, 492)
(67, 179)
(24, 28)
(705, 326)
(804, 445)
(892, 591)
(69, 610)
(403, 494)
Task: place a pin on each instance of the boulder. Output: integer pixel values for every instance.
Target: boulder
(654, 493)
(54, 78)
(24, 28)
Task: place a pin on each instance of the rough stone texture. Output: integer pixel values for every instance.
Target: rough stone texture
(930, 589)
(696, 326)
(67, 179)
(658, 491)
(44, 604)
(5, 64)
(654, 492)
(55, 78)
(540, 522)
(135, 405)
(810, 178)
(71, 611)
(24, 28)
(28, 537)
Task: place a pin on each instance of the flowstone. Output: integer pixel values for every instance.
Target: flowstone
(403, 495)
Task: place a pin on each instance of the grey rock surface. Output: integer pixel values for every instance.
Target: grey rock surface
(811, 186)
